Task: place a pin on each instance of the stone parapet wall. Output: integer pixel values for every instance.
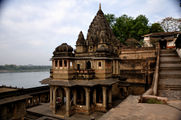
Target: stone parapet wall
(137, 66)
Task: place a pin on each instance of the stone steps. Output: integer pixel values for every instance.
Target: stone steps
(172, 74)
(169, 55)
(170, 66)
(170, 94)
(170, 81)
(172, 60)
(169, 75)
(167, 51)
(170, 87)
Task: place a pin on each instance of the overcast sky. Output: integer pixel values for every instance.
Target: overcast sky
(30, 30)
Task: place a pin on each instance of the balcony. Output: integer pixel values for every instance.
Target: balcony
(85, 74)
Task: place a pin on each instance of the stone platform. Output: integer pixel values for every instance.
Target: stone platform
(44, 112)
(130, 109)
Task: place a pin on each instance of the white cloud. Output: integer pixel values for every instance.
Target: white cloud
(34, 28)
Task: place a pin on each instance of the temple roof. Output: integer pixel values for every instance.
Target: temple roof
(99, 29)
(63, 50)
(80, 40)
(70, 83)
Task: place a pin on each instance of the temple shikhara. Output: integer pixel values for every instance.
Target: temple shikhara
(81, 80)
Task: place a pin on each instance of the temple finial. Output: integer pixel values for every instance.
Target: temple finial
(99, 6)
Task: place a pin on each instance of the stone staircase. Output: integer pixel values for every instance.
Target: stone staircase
(170, 75)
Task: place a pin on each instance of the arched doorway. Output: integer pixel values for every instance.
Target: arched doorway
(99, 95)
(163, 44)
(60, 101)
(81, 98)
(88, 65)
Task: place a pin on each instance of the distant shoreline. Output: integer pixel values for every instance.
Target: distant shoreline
(15, 71)
(23, 68)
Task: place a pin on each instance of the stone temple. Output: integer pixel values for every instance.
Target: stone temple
(81, 80)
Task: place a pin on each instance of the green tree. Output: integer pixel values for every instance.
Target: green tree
(125, 27)
(156, 27)
(122, 27)
(140, 27)
(111, 19)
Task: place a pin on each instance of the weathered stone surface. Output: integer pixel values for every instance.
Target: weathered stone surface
(170, 75)
(130, 109)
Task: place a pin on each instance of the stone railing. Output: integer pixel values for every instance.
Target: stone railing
(85, 74)
(151, 93)
(153, 89)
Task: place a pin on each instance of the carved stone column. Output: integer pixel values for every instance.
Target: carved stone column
(68, 64)
(63, 64)
(67, 91)
(51, 97)
(110, 97)
(114, 67)
(58, 64)
(104, 89)
(54, 99)
(87, 90)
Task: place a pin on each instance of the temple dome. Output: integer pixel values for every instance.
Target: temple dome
(99, 30)
(80, 40)
(63, 50)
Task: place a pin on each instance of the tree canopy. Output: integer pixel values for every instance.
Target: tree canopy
(170, 24)
(156, 27)
(125, 27)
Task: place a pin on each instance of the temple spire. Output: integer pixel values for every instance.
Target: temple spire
(99, 6)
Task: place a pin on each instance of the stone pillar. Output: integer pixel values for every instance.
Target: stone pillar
(63, 64)
(67, 91)
(87, 90)
(94, 96)
(50, 96)
(114, 67)
(118, 67)
(68, 64)
(54, 99)
(104, 89)
(75, 96)
(110, 96)
(58, 64)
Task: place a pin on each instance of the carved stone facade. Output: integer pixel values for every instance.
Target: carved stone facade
(85, 80)
(81, 81)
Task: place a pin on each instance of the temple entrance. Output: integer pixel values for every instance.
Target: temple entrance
(99, 95)
(163, 44)
(88, 65)
(78, 66)
(60, 101)
(81, 96)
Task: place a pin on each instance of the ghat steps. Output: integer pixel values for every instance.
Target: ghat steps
(170, 75)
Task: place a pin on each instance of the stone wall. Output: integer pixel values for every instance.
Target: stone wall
(137, 66)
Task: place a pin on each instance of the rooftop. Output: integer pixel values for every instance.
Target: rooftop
(162, 34)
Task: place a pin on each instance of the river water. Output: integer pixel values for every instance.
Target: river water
(23, 79)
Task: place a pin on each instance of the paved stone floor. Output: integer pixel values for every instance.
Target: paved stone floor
(44, 110)
(130, 109)
(46, 113)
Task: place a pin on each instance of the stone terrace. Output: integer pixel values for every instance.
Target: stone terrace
(130, 109)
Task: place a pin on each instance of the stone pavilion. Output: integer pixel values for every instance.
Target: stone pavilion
(81, 80)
